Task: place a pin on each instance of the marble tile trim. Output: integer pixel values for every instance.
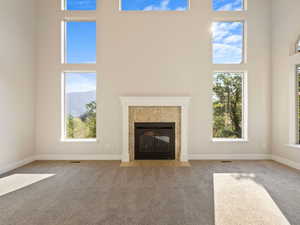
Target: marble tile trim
(155, 114)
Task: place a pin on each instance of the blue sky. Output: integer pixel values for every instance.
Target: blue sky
(228, 42)
(228, 5)
(218, 5)
(154, 5)
(144, 5)
(81, 42)
(81, 4)
(80, 82)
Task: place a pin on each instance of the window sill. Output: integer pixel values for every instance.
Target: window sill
(79, 140)
(228, 140)
(293, 146)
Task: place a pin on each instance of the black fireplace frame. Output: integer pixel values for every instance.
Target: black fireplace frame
(138, 127)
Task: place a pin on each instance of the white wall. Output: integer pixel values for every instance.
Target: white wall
(152, 54)
(285, 29)
(17, 80)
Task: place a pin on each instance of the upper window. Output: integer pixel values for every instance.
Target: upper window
(80, 42)
(228, 101)
(228, 42)
(154, 5)
(228, 5)
(79, 106)
(79, 4)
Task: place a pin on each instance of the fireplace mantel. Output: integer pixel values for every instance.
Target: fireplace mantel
(182, 102)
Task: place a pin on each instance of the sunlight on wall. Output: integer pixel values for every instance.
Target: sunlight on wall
(17, 181)
(239, 199)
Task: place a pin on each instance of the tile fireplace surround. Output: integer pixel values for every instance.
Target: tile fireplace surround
(155, 109)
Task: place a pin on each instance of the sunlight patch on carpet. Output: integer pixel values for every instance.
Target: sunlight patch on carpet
(17, 181)
(240, 199)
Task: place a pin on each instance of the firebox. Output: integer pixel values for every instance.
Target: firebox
(154, 141)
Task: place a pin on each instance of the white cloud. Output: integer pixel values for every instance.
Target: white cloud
(227, 42)
(181, 9)
(218, 31)
(222, 30)
(227, 7)
(233, 6)
(227, 54)
(80, 82)
(233, 39)
(162, 7)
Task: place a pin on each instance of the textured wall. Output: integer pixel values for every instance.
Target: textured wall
(154, 54)
(17, 80)
(285, 30)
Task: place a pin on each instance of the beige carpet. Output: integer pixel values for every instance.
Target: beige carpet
(103, 193)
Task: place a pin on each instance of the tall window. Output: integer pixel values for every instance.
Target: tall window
(79, 105)
(80, 42)
(228, 42)
(228, 102)
(298, 103)
(154, 5)
(228, 5)
(79, 101)
(229, 88)
(79, 4)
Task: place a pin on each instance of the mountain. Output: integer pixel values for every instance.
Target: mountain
(76, 102)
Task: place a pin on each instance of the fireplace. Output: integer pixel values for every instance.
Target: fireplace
(154, 141)
(138, 109)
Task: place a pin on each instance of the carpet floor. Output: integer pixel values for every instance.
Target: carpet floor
(103, 193)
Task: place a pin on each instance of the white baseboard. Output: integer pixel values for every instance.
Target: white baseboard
(28, 160)
(230, 157)
(15, 165)
(118, 157)
(78, 157)
(286, 162)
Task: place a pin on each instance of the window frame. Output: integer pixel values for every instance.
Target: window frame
(244, 123)
(64, 44)
(244, 41)
(297, 105)
(244, 9)
(63, 110)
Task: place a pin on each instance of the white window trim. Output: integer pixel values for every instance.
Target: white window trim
(63, 42)
(244, 49)
(230, 140)
(76, 16)
(296, 112)
(63, 5)
(244, 110)
(63, 112)
(84, 140)
(293, 128)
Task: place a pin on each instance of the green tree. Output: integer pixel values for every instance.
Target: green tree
(70, 126)
(89, 118)
(83, 126)
(227, 105)
(91, 121)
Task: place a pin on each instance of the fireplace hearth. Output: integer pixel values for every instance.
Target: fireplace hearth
(154, 141)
